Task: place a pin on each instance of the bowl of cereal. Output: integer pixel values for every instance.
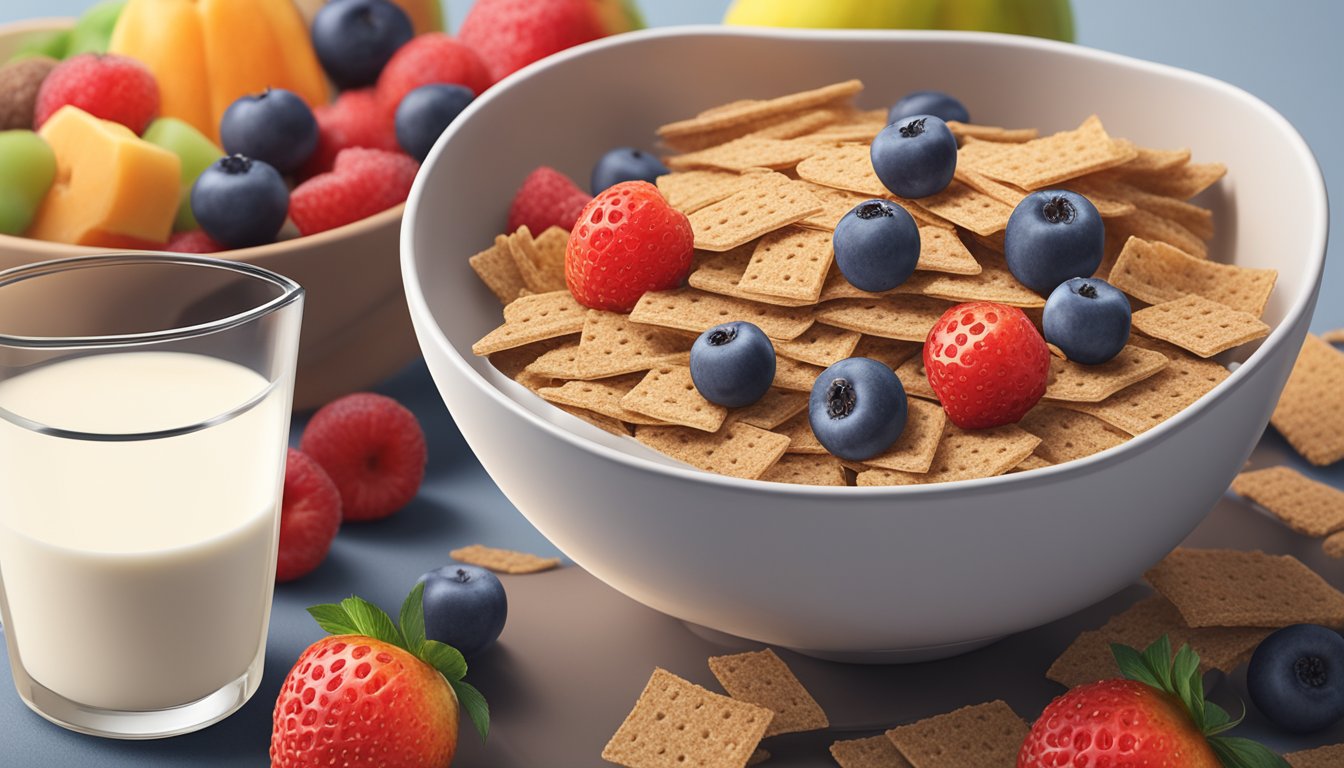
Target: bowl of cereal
(736, 522)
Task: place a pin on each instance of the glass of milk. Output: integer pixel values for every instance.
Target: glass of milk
(144, 417)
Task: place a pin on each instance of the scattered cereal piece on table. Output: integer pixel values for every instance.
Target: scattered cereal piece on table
(675, 723)
(503, 560)
(763, 679)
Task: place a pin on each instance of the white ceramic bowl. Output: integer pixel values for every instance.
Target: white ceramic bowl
(855, 573)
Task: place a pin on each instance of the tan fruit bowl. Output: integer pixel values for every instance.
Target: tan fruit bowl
(356, 328)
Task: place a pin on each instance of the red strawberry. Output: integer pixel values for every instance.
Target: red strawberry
(547, 199)
(362, 183)
(987, 363)
(115, 88)
(373, 696)
(432, 58)
(627, 241)
(194, 241)
(373, 449)
(310, 515)
(510, 34)
(353, 120)
(1155, 718)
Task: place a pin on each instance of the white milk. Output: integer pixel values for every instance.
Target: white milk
(137, 575)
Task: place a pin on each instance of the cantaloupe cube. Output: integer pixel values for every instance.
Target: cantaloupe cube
(112, 188)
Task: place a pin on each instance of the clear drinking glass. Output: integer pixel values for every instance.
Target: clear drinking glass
(144, 417)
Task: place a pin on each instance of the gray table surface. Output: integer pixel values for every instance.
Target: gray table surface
(1286, 53)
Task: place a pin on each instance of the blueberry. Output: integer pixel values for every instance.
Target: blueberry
(1296, 678)
(276, 127)
(355, 38)
(857, 408)
(1053, 235)
(915, 157)
(425, 113)
(465, 607)
(876, 245)
(733, 364)
(1087, 318)
(934, 103)
(625, 164)
(240, 202)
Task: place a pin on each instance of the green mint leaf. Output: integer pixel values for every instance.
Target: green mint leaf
(413, 619)
(444, 658)
(1235, 752)
(1158, 658)
(473, 703)
(1189, 684)
(333, 619)
(1132, 665)
(372, 621)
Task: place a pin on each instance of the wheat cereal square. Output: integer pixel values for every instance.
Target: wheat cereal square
(736, 450)
(503, 560)
(1199, 325)
(667, 393)
(1230, 588)
(1307, 506)
(800, 469)
(914, 450)
(763, 679)
(1089, 658)
(1308, 415)
(676, 723)
(981, 736)
(872, 752)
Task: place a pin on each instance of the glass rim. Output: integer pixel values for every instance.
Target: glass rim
(290, 292)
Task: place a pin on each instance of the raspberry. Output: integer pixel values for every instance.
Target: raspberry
(627, 241)
(353, 120)
(110, 87)
(428, 59)
(373, 449)
(310, 515)
(362, 183)
(194, 241)
(547, 198)
(510, 34)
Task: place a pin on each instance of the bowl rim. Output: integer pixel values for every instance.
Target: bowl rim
(1317, 210)
(47, 249)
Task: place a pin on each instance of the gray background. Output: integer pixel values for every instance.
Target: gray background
(1288, 54)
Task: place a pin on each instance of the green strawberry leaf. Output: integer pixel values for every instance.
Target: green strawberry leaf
(413, 619)
(473, 703)
(444, 658)
(1217, 720)
(372, 621)
(1189, 684)
(333, 619)
(1132, 665)
(1234, 752)
(1158, 659)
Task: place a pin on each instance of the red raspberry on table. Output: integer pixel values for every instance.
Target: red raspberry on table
(362, 182)
(373, 449)
(110, 87)
(987, 363)
(194, 241)
(310, 515)
(627, 241)
(510, 34)
(428, 59)
(547, 199)
(353, 120)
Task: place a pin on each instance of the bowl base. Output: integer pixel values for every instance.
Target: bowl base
(894, 656)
